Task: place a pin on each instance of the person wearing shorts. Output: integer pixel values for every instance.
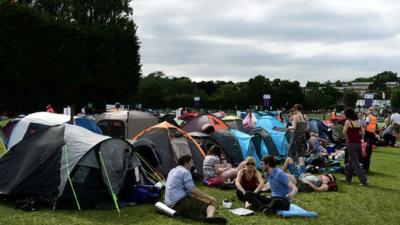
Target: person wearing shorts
(182, 195)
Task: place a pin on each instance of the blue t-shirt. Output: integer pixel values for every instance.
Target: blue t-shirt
(179, 185)
(278, 182)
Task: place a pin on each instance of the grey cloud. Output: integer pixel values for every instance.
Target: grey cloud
(168, 41)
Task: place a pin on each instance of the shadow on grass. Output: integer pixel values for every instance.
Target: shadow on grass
(388, 152)
(385, 189)
(378, 174)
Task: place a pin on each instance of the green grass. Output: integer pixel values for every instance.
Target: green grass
(377, 204)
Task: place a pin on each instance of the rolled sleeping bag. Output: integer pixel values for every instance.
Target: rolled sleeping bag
(164, 209)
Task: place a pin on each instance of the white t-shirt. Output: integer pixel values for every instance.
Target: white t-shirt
(395, 118)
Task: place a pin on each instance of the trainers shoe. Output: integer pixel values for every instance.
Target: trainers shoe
(216, 220)
(268, 211)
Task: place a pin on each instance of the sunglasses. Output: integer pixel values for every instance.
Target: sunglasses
(250, 164)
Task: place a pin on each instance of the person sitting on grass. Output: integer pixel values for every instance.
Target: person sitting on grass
(307, 181)
(314, 149)
(282, 190)
(182, 195)
(216, 172)
(248, 180)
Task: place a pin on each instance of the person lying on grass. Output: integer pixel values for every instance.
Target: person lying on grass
(307, 181)
(182, 195)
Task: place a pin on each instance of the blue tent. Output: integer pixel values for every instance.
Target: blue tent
(279, 135)
(256, 114)
(88, 124)
(248, 148)
(317, 126)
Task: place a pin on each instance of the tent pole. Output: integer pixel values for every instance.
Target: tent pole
(127, 124)
(69, 178)
(114, 196)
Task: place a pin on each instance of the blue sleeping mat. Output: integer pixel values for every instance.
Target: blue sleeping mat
(295, 211)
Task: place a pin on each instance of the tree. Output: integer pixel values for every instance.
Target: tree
(380, 79)
(85, 12)
(62, 62)
(350, 98)
(395, 98)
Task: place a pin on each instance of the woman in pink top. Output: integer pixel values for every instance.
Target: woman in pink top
(353, 132)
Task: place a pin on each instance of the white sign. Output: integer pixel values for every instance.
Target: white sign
(266, 96)
(369, 96)
(196, 98)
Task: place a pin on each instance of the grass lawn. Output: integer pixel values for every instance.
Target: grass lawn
(377, 204)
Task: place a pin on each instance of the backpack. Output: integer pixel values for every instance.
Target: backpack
(144, 194)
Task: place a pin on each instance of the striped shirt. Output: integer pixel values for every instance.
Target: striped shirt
(209, 166)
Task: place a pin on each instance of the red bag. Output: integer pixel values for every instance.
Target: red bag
(215, 181)
(363, 148)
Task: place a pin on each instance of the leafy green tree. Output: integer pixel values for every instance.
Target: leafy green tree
(380, 79)
(395, 98)
(313, 99)
(61, 62)
(256, 88)
(350, 98)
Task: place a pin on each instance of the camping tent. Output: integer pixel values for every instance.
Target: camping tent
(276, 129)
(171, 143)
(247, 146)
(317, 126)
(125, 124)
(256, 114)
(234, 122)
(228, 142)
(262, 138)
(149, 157)
(68, 163)
(204, 140)
(230, 146)
(88, 123)
(196, 123)
(39, 120)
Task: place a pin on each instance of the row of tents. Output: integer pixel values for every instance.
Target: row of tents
(50, 159)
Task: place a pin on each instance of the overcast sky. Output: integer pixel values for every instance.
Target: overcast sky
(234, 40)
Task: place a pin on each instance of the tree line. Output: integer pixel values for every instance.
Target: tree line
(67, 52)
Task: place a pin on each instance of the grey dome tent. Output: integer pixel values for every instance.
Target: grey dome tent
(203, 139)
(67, 163)
(125, 124)
(261, 135)
(230, 146)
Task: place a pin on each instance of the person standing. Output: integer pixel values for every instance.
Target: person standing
(369, 138)
(353, 131)
(182, 195)
(298, 144)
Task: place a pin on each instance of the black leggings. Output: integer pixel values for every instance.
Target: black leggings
(371, 140)
(259, 202)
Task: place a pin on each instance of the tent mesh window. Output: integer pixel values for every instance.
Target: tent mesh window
(113, 128)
